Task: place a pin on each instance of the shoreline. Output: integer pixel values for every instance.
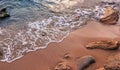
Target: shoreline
(46, 59)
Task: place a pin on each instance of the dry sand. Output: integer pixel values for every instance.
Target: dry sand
(46, 59)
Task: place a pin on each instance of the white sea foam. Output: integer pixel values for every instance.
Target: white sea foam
(111, 1)
(60, 5)
(39, 34)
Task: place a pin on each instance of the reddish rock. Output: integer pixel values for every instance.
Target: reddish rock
(110, 17)
(102, 68)
(62, 66)
(67, 56)
(113, 62)
(103, 44)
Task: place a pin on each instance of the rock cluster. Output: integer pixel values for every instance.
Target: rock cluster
(110, 17)
(103, 44)
(3, 14)
(113, 62)
(62, 66)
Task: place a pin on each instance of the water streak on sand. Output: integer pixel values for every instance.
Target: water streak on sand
(38, 34)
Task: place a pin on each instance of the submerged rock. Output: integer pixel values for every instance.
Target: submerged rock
(85, 62)
(103, 44)
(110, 17)
(3, 14)
(113, 62)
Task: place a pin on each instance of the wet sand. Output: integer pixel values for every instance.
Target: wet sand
(46, 59)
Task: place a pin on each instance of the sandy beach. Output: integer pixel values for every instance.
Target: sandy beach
(68, 53)
(73, 45)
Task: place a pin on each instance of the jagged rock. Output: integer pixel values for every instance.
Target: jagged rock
(101, 68)
(103, 44)
(113, 62)
(3, 14)
(62, 66)
(85, 62)
(110, 17)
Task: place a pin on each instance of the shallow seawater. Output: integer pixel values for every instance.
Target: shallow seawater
(36, 23)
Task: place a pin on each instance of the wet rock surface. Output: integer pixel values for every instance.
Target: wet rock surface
(3, 13)
(85, 62)
(110, 17)
(113, 62)
(103, 44)
(1, 54)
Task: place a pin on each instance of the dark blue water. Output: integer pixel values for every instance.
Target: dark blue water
(24, 10)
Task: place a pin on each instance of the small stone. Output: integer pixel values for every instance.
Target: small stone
(113, 62)
(76, 18)
(110, 17)
(85, 62)
(3, 13)
(43, 33)
(103, 44)
(62, 66)
(67, 56)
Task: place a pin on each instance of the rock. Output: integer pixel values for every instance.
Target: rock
(113, 62)
(110, 17)
(85, 62)
(76, 18)
(67, 56)
(103, 44)
(3, 14)
(1, 53)
(62, 66)
(101, 68)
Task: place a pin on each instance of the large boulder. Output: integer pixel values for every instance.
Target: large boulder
(103, 44)
(113, 62)
(110, 16)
